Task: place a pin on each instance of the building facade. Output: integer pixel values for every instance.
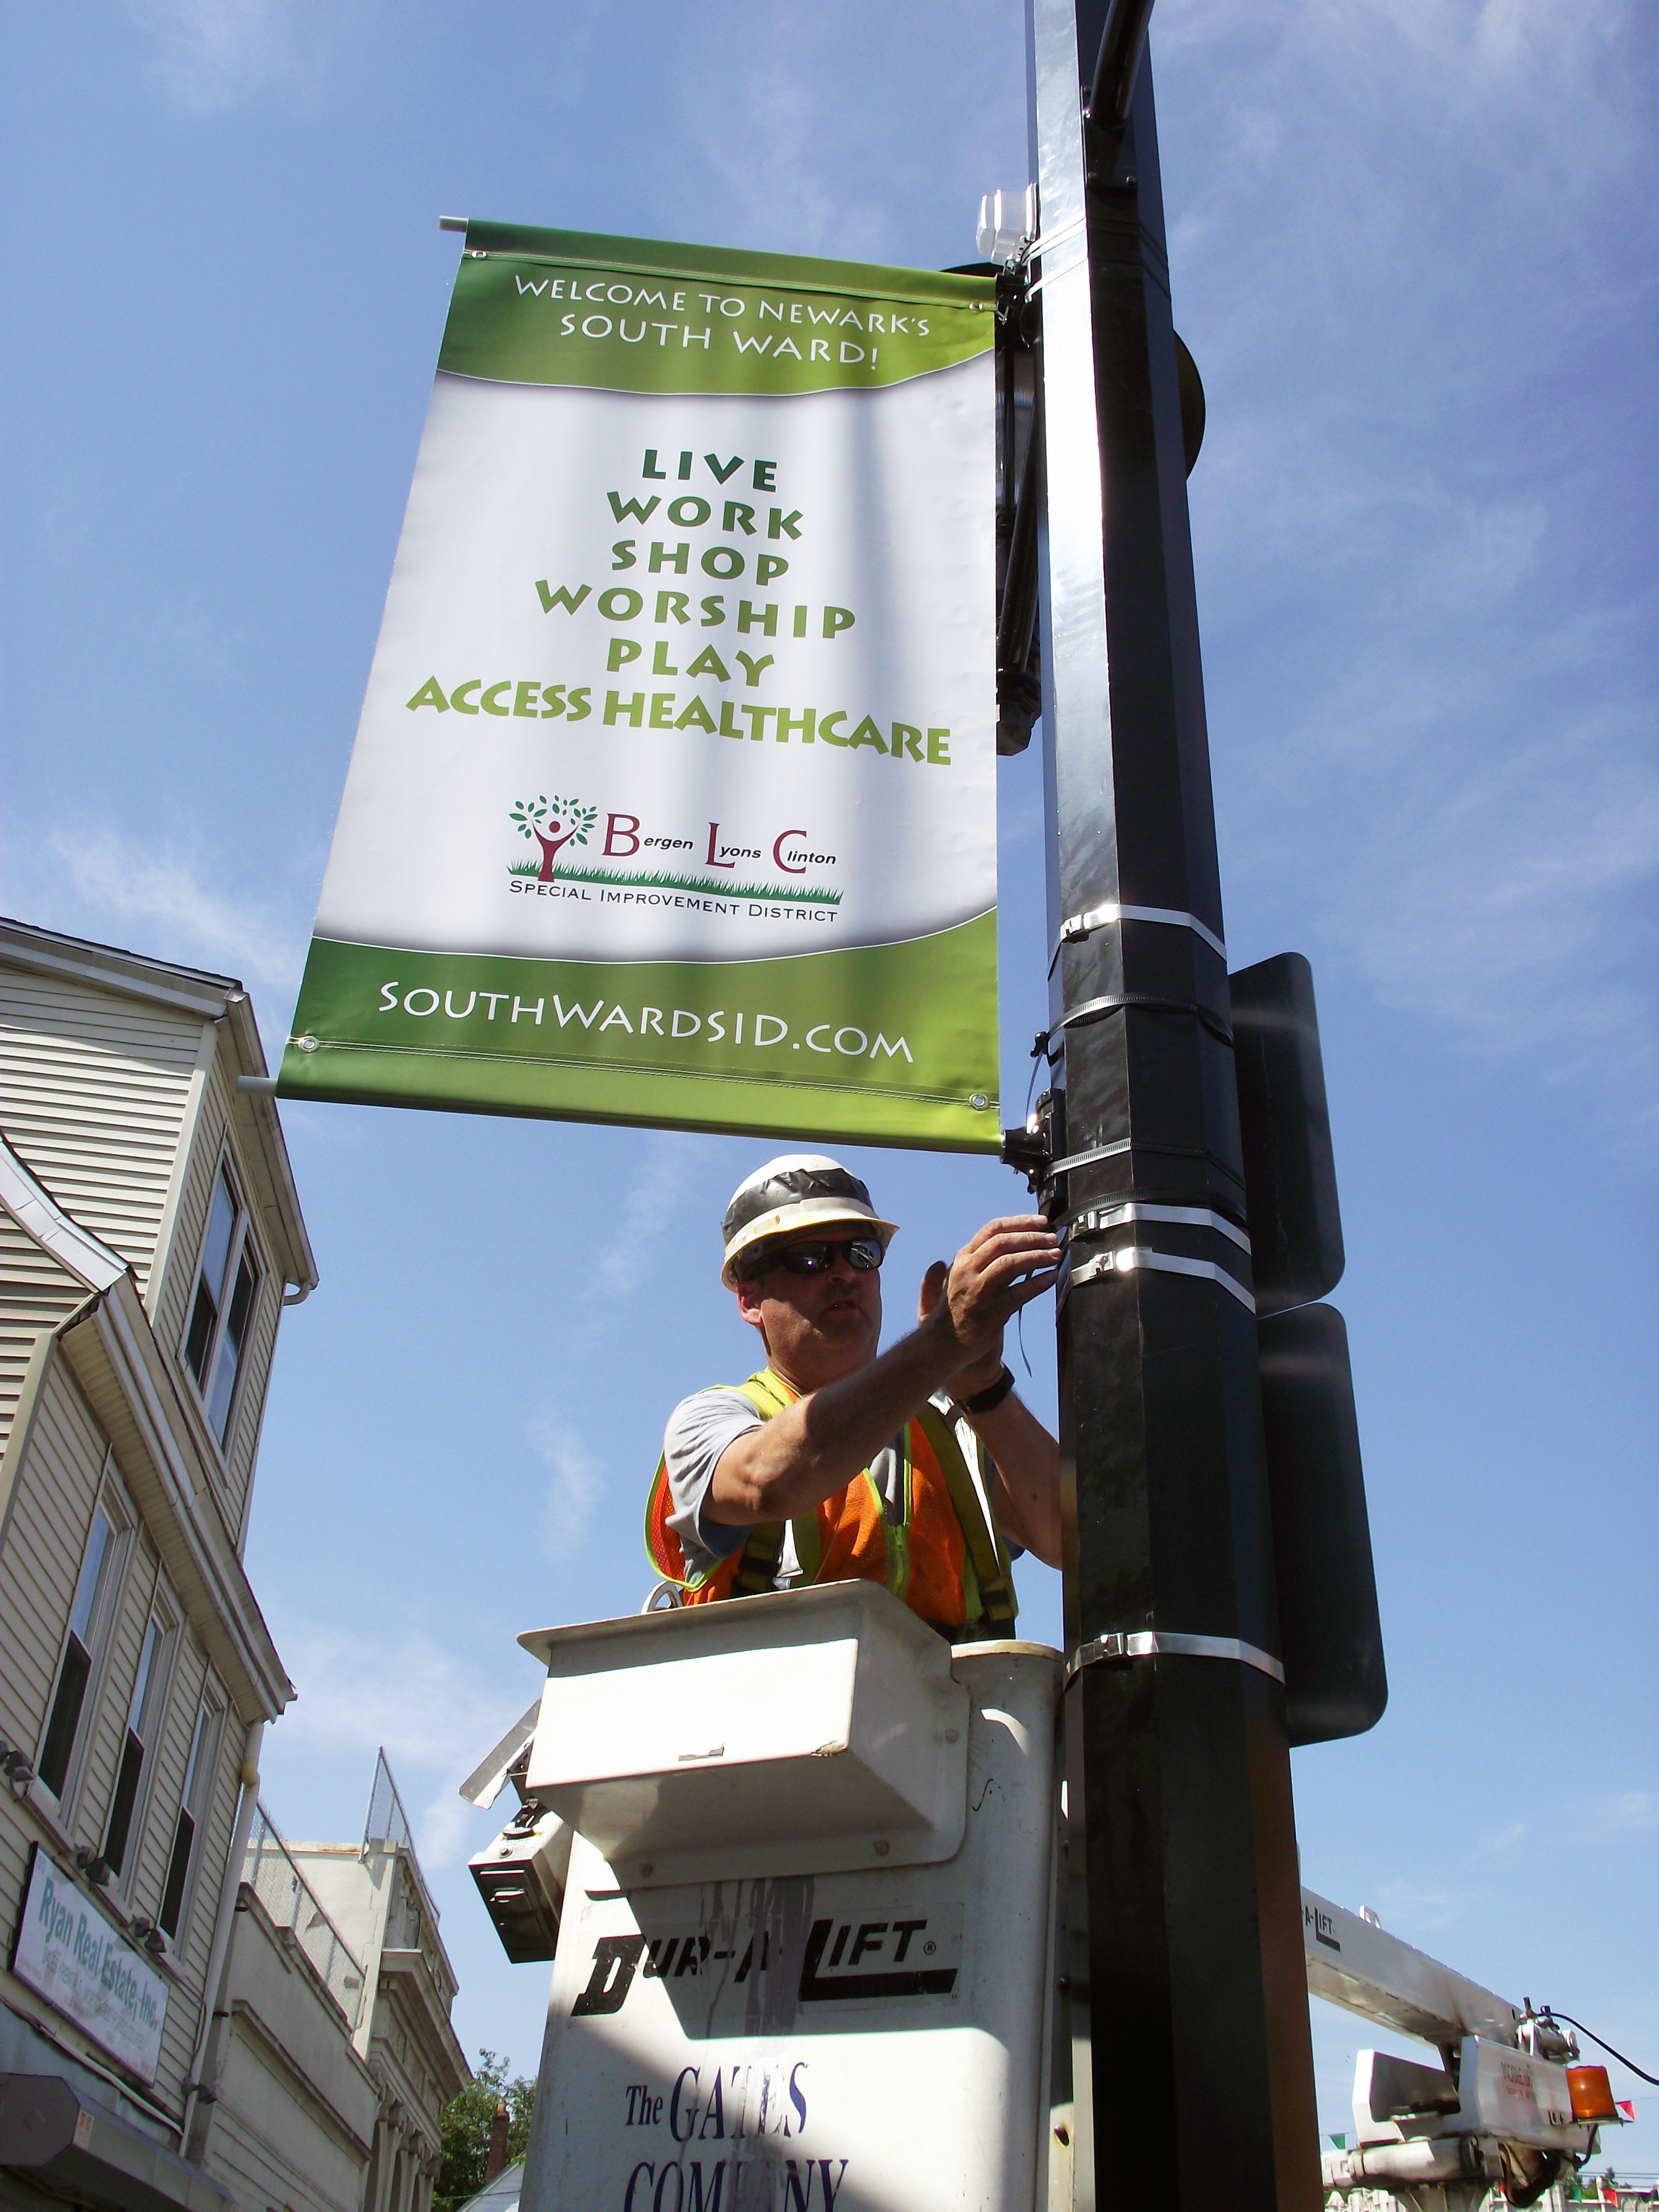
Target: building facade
(151, 1236)
(332, 2055)
(286, 2113)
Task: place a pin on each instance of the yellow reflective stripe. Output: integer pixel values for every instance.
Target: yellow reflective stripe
(657, 1480)
(762, 1550)
(896, 1535)
(809, 1546)
(984, 1550)
(769, 1397)
(765, 1392)
(973, 1603)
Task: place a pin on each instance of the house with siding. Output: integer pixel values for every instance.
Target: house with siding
(330, 1937)
(150, 1236)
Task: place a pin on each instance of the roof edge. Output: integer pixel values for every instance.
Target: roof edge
(164, 982)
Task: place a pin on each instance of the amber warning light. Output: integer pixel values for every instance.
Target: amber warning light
(1592, 2094)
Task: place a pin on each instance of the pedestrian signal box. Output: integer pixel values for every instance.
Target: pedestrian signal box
(1330, 1630)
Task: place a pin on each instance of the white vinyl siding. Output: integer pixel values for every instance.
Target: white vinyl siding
(244, 1439)
(123, 1108)
(170, 1306)
(52, 1511)
(189, 1955)
(93, 1095)
(192, 1779)
(36, 1292)
(211, 1144)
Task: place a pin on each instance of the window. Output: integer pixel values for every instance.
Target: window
(192, 1810)
(227, 1293)
(86, 1618)
(143, 1718)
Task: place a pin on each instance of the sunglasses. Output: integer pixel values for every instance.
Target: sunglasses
(819, 1254)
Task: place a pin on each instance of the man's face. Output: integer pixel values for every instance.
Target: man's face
(817, 1328)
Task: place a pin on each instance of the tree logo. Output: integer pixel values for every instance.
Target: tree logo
(553, 824)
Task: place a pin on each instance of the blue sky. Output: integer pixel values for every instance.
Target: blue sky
(1412, 251)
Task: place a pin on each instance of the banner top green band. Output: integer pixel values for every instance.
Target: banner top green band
(629, 314)
(661, 257)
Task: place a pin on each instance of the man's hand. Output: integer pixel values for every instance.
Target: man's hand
(1011, 1262)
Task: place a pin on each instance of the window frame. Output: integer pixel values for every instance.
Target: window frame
(163, 1616)
(108, 1595)
(243, 1245)
(196, 1806)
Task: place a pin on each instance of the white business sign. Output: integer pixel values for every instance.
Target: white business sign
(87, 1970)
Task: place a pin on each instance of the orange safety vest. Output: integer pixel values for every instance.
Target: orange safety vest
(942, 1556)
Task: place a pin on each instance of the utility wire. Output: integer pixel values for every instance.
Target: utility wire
(1550, 2013)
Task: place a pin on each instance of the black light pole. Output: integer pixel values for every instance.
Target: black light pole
(1191, 2069)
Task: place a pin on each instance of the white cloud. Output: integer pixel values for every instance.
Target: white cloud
(577, 1480)
(211, 55)
(767, 164)
(775, 84)
(414, 1698)
(1490, 893)
(643, 1224)
(1607, 1819)
(119, 882)
(1625, 1813)
(444, 1828)
(432, 1714)
(1415, 1913)
(1423, 588)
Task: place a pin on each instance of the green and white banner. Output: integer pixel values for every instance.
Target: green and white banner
(673, 797)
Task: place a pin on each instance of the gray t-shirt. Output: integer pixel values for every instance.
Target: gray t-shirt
(699, 1430)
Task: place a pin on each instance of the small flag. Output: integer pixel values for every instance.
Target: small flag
(1626, 2106)
(1341, 2142)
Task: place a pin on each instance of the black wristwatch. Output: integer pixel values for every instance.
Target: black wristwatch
(987, 1401)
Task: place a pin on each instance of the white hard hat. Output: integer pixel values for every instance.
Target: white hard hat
(795, 1192)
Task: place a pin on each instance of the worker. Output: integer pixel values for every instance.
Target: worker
(917, 1467)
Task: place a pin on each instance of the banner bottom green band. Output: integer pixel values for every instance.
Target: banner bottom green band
(461, 1083)
(892, 1044)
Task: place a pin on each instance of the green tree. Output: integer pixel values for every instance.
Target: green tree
(464, 2131)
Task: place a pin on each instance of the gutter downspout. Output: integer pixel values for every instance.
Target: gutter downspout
(229, 1890)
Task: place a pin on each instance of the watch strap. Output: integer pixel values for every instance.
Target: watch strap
(987, 1401)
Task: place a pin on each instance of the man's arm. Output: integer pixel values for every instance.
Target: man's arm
(815, 1447)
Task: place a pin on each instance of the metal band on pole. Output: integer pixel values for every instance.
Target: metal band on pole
(1153, 1642)
(1128, 1257)
(1192, 1217)
(1077, 926)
